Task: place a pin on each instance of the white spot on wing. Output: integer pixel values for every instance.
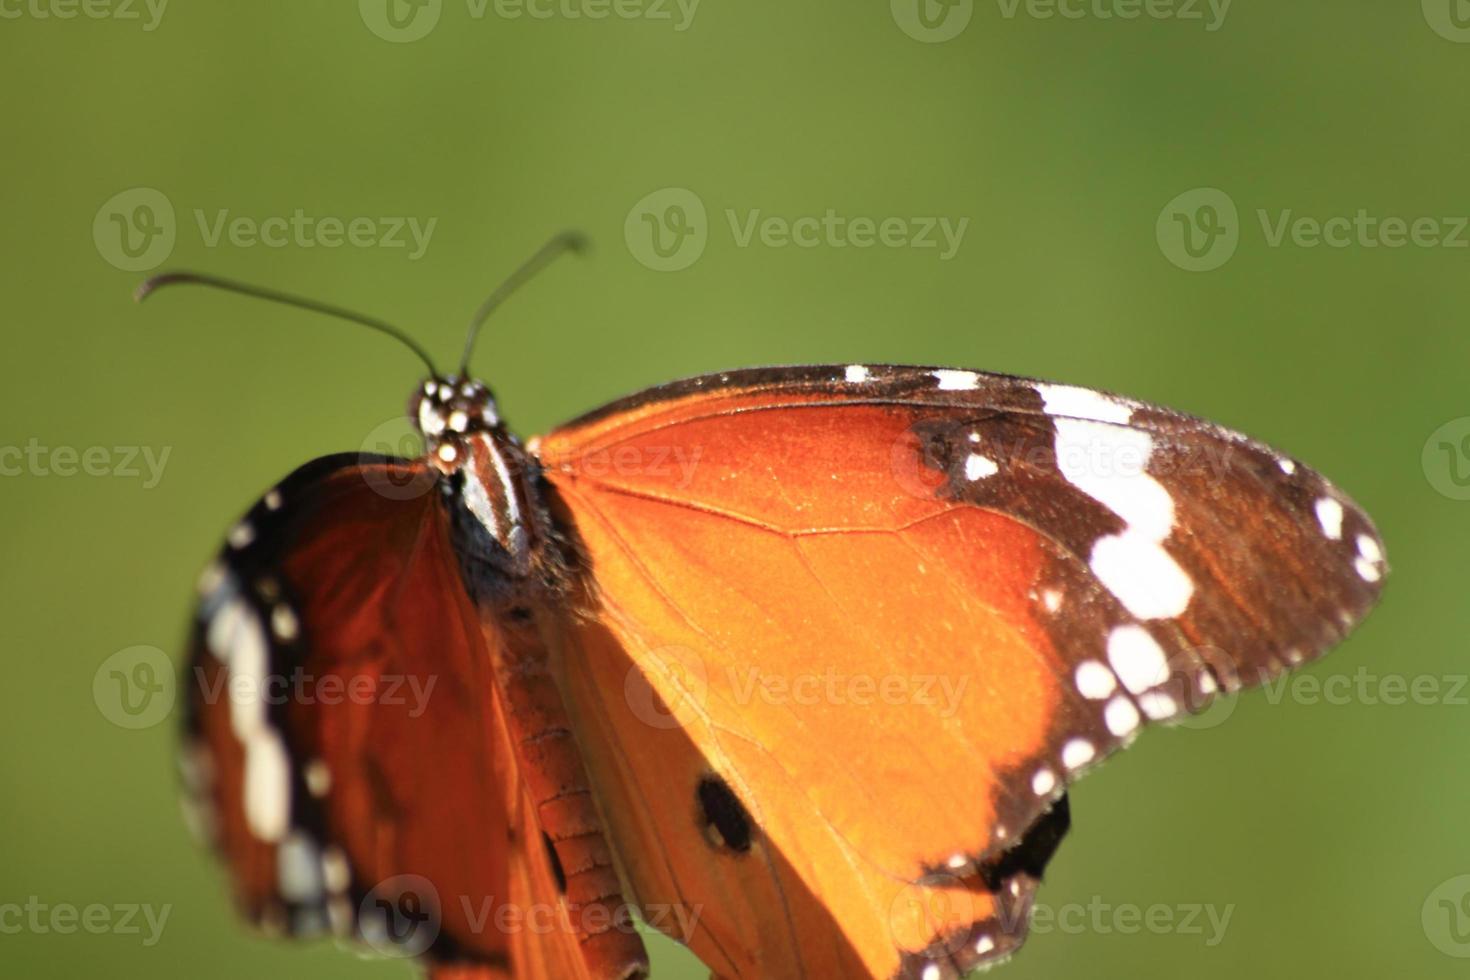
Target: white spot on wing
(956, 380)
(856, 374)
(1109, 463)
(1072, 402)
(1121, 716)
(1369, 548)
(1077, 753)
(299, 868)
(978, 467)
(267, 786)
(1043, 782)
(1329, 515)
(1137, 658)
(1095, 681)
(242, 535)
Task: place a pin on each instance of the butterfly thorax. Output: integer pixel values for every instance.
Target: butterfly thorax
(488, 477)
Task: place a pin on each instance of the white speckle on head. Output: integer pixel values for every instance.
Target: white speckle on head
(489, 416)
(1121, 716)
(1109, 464)
(957, 862)
(468, 389)
(978, 467)
(431, 422)
(1158, 705)
(241, 535)
(448, 453)
(458, 420)
(273, 500)
(283, 623)
(1287, 466)
(984, 945)
(299, 868)
(1068, 401)
(856, 374)
(1137, 658)
(318, 778)
(956, 380)
(1095, 681)
(1329, 515)
(431, 388)
(1077, 753)
(267, 786)
(1043, 782)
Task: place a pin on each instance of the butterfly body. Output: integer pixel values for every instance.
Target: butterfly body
(796, 661)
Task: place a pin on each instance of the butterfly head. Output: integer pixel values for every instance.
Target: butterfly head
(450, 410)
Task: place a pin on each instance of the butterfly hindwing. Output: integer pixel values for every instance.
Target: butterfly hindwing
(892, 612)
(348, 749)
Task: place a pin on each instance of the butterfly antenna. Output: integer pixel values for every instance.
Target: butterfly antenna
(567, 241)
(154, 284)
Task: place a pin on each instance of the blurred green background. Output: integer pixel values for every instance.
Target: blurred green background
(1332, 828)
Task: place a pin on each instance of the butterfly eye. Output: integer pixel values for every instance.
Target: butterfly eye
(725, 820)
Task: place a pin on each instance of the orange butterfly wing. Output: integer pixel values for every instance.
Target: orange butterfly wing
(349, 751)
(848, 633)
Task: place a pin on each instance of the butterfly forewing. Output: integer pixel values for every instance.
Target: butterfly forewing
(895, 611)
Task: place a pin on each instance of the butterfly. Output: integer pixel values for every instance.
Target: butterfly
(794, 664)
